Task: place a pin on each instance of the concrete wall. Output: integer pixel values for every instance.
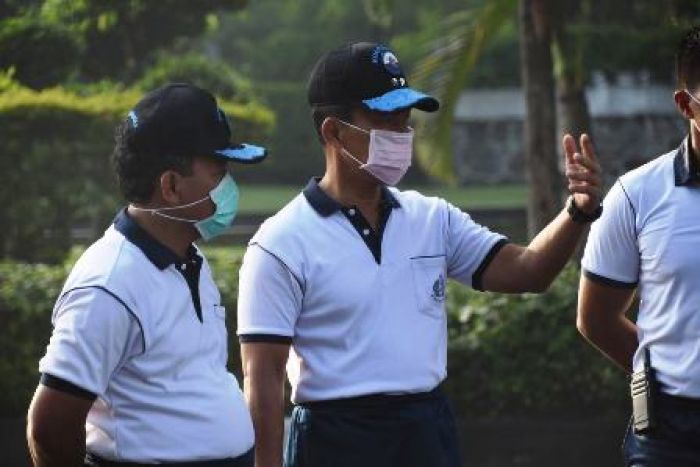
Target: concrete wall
(633, 122)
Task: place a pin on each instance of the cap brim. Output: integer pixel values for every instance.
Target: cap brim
(400, 99)
(243, 153)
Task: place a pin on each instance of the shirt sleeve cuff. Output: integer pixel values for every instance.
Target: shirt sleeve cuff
(477, 277)
(607, 281)
(60, 384)
(264, 338)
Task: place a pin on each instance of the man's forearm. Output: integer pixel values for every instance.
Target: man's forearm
(616, 338)
(550, 250)
(266, 402)
(61, 447)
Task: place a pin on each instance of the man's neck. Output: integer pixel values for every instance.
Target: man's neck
(174, 235)
(352, 190)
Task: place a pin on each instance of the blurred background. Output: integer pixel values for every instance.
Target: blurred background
(512, 75)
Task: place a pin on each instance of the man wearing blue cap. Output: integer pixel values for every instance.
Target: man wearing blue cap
(135, 372)
(351, 275)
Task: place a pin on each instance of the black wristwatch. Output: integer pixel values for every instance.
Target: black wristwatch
(579, 216)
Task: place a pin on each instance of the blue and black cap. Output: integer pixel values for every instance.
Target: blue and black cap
(182, 119)
(366, 73)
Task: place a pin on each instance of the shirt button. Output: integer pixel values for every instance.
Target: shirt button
(351, 212)
(365, 232)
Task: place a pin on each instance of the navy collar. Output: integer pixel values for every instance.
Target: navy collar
(160, 255)
(685, 166)
(324, 205)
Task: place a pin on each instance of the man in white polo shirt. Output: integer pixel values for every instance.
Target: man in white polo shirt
(648, 241)
(351, 275)
(135, 372)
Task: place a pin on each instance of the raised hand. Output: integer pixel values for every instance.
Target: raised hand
(582, 172)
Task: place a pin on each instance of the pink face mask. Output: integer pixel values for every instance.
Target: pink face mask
(389, 156)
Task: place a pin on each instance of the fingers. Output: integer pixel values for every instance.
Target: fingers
(587, 147)
(586, 159)
(570, 149)
(583, 171)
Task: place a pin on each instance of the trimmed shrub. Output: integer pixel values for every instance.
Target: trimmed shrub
(43, 54)
(508, 355)
(57, 180)
(522, 354)
(208, 73)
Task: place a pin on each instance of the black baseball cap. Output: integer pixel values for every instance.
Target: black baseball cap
(183, 119)
(366, 73)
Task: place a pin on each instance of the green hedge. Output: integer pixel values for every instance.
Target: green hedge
(54, 159)
(508, 355)
(522, 354)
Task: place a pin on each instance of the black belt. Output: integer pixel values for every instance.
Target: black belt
(245, 460)
(372, 400)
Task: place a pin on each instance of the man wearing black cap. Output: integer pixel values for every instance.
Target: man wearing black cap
(135, 372)
(351, 276)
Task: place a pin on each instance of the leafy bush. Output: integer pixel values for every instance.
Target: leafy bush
(27, 294)
(43, 54)
(55, 164)
(208, 73)
(507, 355)
(522, 354)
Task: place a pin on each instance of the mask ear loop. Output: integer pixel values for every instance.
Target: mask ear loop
(157, 211)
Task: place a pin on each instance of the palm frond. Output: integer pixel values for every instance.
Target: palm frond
(444, 72)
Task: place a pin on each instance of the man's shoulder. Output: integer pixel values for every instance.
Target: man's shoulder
(109, 262)
(286, 221)
(651, 173)
(414, 199)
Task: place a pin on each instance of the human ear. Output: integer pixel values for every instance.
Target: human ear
(170, 187)
(682, 100)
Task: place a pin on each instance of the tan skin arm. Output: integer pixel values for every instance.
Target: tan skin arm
(602, 320)
(56, 428)
(263, 384)
(516, 268)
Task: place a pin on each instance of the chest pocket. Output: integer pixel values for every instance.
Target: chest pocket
(213, 342)
(429, 284)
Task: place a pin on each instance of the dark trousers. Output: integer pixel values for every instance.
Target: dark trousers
(374, 431)
(675, 442)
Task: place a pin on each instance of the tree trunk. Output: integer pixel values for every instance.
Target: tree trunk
(572, 107)
(541, 154)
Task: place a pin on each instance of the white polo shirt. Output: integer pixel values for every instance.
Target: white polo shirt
(649, 238)
(364, 311)
(144, 333)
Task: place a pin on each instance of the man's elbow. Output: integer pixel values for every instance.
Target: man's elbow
(585, 324)
(40, 437)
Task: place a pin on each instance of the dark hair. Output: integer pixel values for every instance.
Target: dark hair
(320, 113)
(138, 170)
(688, 60)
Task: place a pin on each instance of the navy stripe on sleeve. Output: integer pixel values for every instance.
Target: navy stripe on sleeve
(476, 279)
(609, 282)
(269, 338)
(60, 384)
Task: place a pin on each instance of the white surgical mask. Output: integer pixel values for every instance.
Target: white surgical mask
(389, 155)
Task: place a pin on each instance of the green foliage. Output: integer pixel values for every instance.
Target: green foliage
(213, 75)
(42, 54)
(522, 354)
(121, 37)
(27, 293)
(507, 355)
(55, 161)
(445, 70)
